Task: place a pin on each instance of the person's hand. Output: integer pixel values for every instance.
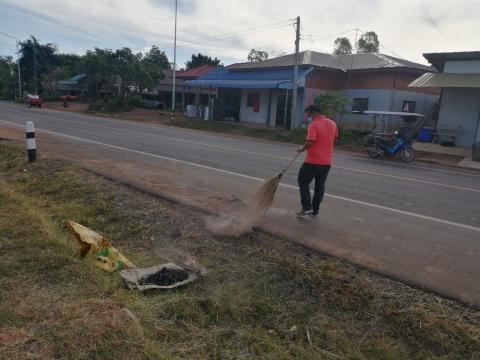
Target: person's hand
(300, 149)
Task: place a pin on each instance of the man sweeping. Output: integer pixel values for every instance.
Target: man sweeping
(321, 136)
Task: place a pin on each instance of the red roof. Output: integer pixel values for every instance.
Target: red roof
(195, 73)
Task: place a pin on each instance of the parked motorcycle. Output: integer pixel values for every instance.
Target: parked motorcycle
(378, 146)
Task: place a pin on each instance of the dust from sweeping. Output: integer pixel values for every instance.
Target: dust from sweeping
(241, 222)
(233, 224)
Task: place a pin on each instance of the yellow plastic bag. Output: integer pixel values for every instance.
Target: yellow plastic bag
(106, 256)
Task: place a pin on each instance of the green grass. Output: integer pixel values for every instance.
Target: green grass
(265, 298)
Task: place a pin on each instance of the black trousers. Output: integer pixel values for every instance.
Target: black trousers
(307, 173)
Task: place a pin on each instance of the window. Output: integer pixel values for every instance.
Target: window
(360, 105)
(252, 99)
(408, 106)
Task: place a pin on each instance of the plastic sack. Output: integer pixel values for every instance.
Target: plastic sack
(163, 277)
(91, 243)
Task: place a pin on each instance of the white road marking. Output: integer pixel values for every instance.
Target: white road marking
(410, 179)
(359, 202)
(339, 153)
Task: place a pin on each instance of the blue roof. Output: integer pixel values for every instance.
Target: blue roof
(250, 79)
(77, 77)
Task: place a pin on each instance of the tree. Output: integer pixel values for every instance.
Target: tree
(199, 60)
(342, 46)
(257, 56)
(98, 66)
(368, 42)
(7, 78)
(157, 57)
(332, 103)
(43, 56)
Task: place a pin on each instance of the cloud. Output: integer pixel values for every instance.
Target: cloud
(429, 19)
(409, 27)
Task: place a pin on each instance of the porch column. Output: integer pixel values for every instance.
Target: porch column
(209, 103)
(197, 100)
(269, 106)
(286, 110)
(183, 97)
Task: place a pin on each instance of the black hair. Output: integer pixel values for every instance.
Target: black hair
(313, 109)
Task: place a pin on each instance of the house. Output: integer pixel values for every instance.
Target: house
(75, 86)
(184, 95)
(459, 81)
(262, 92)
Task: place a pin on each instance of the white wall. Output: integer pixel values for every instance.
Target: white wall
(387, 100)
(461, 107)
(462, 67)
(247, 114)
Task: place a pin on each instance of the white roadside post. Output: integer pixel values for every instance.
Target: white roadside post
(31, 143)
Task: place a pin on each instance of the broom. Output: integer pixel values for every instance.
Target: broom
(264, 196)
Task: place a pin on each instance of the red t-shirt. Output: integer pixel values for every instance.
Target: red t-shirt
(323, 132)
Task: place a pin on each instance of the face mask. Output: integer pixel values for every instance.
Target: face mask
(309, 119)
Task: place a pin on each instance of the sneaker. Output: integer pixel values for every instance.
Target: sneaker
(304, 213)
(314, 214)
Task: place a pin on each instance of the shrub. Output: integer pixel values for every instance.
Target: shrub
(137, 101)
(332, 103)
(113, 105)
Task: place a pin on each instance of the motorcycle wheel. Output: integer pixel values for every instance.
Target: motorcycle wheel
(374, 152)
(407, 155)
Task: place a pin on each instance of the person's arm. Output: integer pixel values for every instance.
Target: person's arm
(308, 144)
(311, 137)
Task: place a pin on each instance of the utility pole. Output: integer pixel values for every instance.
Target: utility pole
(35, 66)
(295, 76)
(19, 76)
(349, 74)
(174, 62)
(349, 78)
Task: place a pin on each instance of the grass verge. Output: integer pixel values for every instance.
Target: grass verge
(265, 298)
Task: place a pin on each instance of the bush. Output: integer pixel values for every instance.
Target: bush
(113, 105)
(137, 101)
(332, 103)
(98, 105)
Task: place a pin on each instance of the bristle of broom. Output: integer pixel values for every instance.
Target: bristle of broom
(266, 193)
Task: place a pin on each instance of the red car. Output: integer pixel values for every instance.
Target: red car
(34, 100)
(68, 97)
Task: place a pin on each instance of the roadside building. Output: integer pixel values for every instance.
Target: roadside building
(161, 95)
(262, 92)
(75, 86)
(459, 81)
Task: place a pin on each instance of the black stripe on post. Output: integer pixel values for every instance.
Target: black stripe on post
(30, 135)
(32, 155)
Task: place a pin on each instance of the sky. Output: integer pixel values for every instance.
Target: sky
(228, 29)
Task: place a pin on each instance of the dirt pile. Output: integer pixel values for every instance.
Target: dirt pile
(166, 277)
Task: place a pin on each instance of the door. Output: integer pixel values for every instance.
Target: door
(281, 120)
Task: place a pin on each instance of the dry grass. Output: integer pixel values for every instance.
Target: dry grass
(264, 299)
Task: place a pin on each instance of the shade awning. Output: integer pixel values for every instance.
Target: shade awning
(251, 79)
(447, 80)
(241, 84)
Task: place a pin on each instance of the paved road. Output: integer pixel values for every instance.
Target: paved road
(416, 222)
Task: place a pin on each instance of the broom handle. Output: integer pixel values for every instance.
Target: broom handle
(291, 162)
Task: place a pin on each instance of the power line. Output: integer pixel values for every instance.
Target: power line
(329, 36)
(384, 47)
(248, 31)
(10, 36)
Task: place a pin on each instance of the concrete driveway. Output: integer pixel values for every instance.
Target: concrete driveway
(415, 222)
